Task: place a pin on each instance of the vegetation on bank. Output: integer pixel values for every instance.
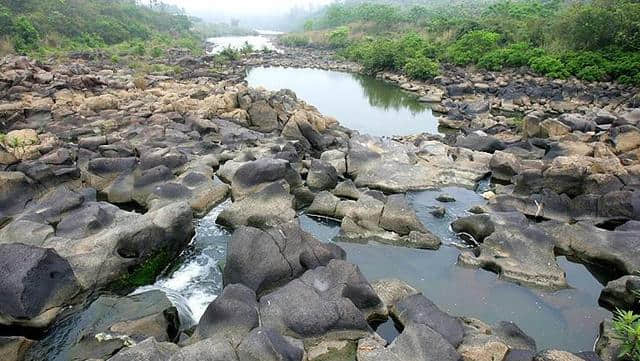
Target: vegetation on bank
(593, 40)
(42, 28)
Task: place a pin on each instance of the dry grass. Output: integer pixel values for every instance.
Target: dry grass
(6, 46)
(140, 82)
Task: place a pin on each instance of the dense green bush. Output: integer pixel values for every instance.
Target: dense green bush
(514, 55)
(339, 37)
(26, 37)
(472, 46)
(549, 65)
(422, 68)
(6, 22)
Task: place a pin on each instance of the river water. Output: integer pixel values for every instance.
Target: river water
(566, 319)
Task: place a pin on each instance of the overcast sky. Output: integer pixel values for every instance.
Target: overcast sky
(253, 7)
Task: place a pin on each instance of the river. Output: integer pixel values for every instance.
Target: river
(567, 319)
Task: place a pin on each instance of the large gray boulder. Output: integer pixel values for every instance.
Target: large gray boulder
(266, 259)
(254, 176)
(518, 251)
(417, 309)
(336, 301)
(108, 325)
(267, 208)
(230, 316)
(322, 176)
(263, 117)
(36, 285)
(16, 190)
(622, 293)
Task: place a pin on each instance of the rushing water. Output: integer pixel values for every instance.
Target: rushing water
(359, 102)
(566, 319)
(258, 42)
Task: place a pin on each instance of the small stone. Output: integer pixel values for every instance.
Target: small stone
(445, 198)
(439, 212)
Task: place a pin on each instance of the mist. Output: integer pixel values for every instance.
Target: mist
(271, 14)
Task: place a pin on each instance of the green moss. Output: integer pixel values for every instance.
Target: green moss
(145, 273)
(347, 353)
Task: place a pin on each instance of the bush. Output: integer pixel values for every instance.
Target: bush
(549, 65)
(157, 52)
(514, 55)
(339, 38)
(422, 68)
(6, 22)
(626, 326)
(472, 46)
(26, 37)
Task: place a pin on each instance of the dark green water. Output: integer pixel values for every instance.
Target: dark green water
(358, 102)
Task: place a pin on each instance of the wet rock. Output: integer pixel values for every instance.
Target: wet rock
(147, 350)
(337, 302)
(608, 345)
(269, 207)
(479, 226)
(265, 259)
(445, 198)
(622, 294)
(519, 252)
(230, 316)
(14, 348)
(264, 344)
(322, 176)
(37, 284)
(110, 324)
(439, 212)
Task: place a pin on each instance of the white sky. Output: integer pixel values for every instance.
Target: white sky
(243, 6)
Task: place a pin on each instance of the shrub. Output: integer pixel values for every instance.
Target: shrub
(295, 40)
(26, 36)
(229, 54)
(422, 68)
(514, 55)
(157, 52)
(626, 326)
(549, 65)
(339, 38)
(308, 25)
(472, 46)
(6, 22)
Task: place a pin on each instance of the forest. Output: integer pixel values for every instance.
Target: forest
(44, 27)
(593, 41)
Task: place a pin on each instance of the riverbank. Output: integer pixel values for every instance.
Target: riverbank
(88, 142)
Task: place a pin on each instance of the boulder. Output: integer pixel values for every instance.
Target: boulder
(625, 138)
(266, 259)
(253, 176)
(263, 117)
(147, 350)
(230, 316)
(324, 204)
(337, 302)
(392, 291)
(505, 341)
(264, 344)
(399, 217)
(36, 286)
(347, 189)
(322, 176)
(622, 293)
(16, 190)
(337, 158)
(417, 309)
(14, 348)
(555, 355)
(518, 251)
(504, 166)
(210, 349)
(267, 208)
(481, 143)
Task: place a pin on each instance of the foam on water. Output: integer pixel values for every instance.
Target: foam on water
(196, 277)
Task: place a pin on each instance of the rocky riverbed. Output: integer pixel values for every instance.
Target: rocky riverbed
(103, 172)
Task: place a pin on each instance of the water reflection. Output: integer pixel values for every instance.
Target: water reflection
(359, 102)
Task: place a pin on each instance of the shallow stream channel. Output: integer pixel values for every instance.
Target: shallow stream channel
(566, 319)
